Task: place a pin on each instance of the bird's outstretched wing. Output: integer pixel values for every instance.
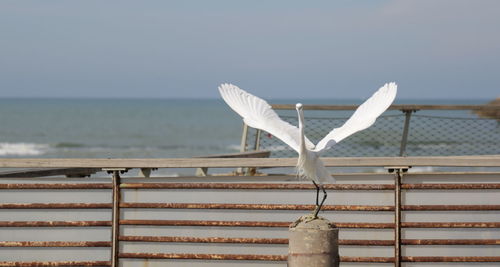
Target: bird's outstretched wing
(257, 113)
(364, 116)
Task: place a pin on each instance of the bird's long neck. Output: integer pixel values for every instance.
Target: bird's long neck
(302, 143)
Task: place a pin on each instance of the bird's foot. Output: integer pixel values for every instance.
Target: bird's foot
(304, 219)
(316, 211)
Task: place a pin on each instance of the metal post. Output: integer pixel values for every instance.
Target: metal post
(406, 127)
(398, 174)
(397, 218)
(313, 243)
(257, 140)
(256, 147)
(243, 146)
(244, 136)
(115, 230)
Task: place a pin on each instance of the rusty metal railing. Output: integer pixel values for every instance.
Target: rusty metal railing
(451, 130)
(119, 204)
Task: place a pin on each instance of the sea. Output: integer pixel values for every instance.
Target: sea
(132, 128)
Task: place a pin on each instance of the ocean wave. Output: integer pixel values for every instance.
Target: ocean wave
(23, 149)
(75, 149)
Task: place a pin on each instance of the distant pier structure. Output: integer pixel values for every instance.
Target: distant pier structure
(491, 113)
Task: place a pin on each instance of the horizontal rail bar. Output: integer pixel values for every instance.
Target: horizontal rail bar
(365, 242)
(444, 161)
(449, 207)
(54, 223)
(367, 259)
(392, 107)
(55, 244)
(303, 207)
(57, 186)
(56, 206)
(205, 223)
(251, 257)
(189, 239)
(446, 242)
(246, 257)
(259, 186)
(251, 186)
(451, 186)
(363, 225)
(449, 259)
(337, 224)
(53, 263)
(252, 206)
(450, 224)
(239, 240)
(245, 223)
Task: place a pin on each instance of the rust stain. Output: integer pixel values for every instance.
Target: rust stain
(247, 223)
(258, 186)
(55, 244)
(188, 239)
(450, 259)
(367, 259)
(53, 264)
(54, 223)
(451, 186)
(205, 223)
(450, 224)
(57, 186)
(449, 207)
(256, 257)
(56, 206)
(253, 206)
(450, 241)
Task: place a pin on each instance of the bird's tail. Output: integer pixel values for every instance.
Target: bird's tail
(330, 179)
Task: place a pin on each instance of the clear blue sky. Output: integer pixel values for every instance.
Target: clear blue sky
(434, 49)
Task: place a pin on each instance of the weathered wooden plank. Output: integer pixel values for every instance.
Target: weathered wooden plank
(246, 154)
(456, 161)
(30, 173)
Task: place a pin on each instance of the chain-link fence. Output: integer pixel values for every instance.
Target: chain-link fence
(426, 135)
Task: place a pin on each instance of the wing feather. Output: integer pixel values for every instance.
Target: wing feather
(364, 116)
(257, 113)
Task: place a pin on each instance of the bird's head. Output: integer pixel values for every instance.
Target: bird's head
(298, 106)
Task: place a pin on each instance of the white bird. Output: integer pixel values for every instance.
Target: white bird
(258, 114)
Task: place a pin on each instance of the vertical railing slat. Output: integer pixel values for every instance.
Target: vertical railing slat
(397, 218)
(115, 230)
(406, 128)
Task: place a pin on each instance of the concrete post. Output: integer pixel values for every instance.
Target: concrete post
(313, 243)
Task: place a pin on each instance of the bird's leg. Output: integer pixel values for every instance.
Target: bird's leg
(317, 193)
(318, 207)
